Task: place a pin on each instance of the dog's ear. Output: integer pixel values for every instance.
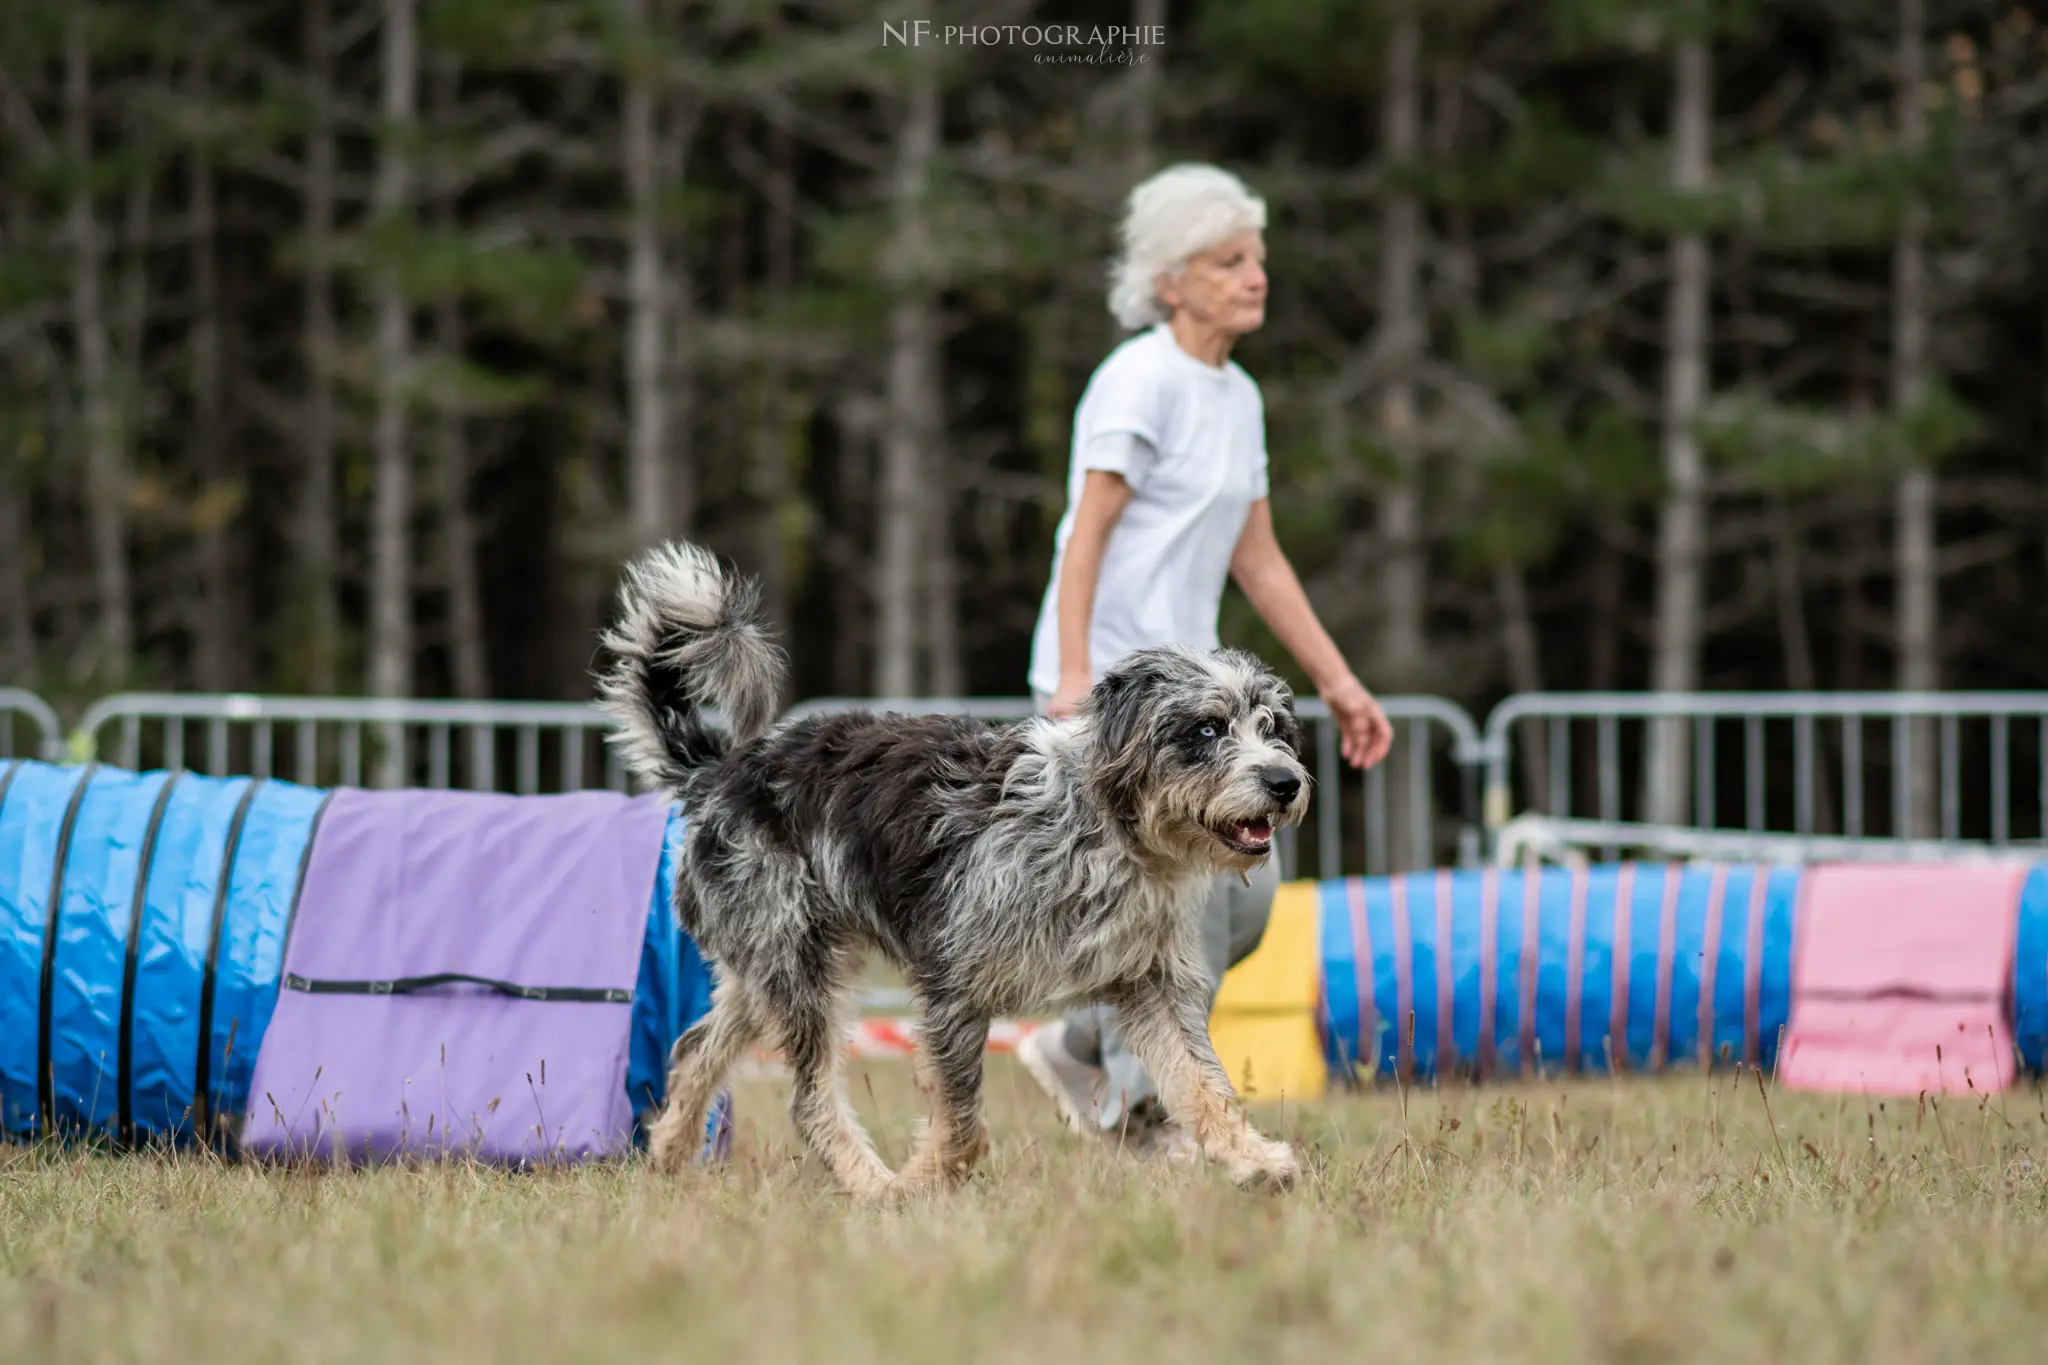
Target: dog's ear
(1122, 761)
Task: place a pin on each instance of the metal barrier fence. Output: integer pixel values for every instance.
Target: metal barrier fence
(1394, 818)
(477, 746)
(1569, 841)
(28, 726)
(1391, 819)
(1958, 767)
(1941, 765)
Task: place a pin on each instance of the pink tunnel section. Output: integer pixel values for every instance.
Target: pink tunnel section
(1899, 980)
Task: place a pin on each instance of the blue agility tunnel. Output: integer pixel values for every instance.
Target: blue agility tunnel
(144, 924)
(148, 924)
(2030, 973)
(1630, 966)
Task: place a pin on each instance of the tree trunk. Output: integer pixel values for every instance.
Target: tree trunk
(1457, 270)
(1919, 646)
(466, 658)
(390, 558)
(1603, 660)
(1402, 583)
(684, 356)
(131, 314)
(1794, 638)
(131, 310)
(1148, 16)
(1681, 541)
(1848, 677)
(1525, 668)
(18, 663)
(317, 533)
(855, 611)
(1848, 636)
(1403, 587)
(771, 446)
(899, 508)
(106, 464)
(1455, 263)
(906, 462)
(1140, 150)
(221, 618)
(646, 308)
(946, 654)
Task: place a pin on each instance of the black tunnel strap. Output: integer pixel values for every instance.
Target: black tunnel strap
(202, 1070)
(291, 917)
(1915, 993)
(411, 985)
(7, 781)
(124, 1056)
(46, 1079)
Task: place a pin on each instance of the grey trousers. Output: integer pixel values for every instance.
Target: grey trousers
(1233, 922)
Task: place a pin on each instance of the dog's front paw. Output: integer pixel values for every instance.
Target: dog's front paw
(1267, 1163)
(669, 1148)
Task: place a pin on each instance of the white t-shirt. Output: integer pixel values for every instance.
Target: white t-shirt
(1190, 439)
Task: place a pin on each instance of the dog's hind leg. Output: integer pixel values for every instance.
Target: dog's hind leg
(1164, 1018)
(812, 1022)
(698, 1065)
(949, 1058)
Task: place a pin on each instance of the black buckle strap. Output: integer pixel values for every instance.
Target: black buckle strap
(124, 1063)
(202, 1069)
(46, 1078)
(291, 918)
(1900, 991)
(412, 985)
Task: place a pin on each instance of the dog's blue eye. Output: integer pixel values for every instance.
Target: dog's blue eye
(1208, 732)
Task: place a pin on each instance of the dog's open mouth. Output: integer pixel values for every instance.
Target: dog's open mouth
(1251, 837)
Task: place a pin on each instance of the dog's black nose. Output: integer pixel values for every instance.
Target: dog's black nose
(1281, 783)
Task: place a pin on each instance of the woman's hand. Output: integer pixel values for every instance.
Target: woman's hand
(1364, 732)
(1073, 687)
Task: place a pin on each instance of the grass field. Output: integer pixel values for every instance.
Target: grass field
(1640, 1220)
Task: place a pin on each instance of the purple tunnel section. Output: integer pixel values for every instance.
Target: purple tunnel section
(458, 980)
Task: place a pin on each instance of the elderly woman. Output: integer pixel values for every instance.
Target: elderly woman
(1166, 497)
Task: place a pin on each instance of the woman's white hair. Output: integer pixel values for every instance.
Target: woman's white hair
(1177, 214)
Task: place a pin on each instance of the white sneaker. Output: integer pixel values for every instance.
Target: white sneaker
(1073, 1084)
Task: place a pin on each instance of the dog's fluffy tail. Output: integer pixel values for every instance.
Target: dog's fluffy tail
(689, 635)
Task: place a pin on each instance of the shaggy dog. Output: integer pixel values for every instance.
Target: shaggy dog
(1003, 869)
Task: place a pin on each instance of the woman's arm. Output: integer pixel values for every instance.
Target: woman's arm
(1104, 496)
(1269, 582)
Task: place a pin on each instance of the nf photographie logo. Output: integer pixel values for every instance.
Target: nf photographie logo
(1096, 45)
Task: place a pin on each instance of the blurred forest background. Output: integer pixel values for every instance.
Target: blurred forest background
(350, 345)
